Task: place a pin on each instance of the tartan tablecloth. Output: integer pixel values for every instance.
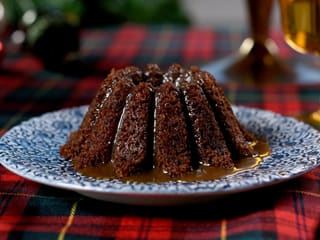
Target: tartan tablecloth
(28, 210)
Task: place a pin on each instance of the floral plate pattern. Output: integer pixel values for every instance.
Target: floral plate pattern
(31, 150)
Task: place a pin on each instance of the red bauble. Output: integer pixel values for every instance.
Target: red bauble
(1, 52)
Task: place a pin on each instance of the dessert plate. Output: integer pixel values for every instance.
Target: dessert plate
(31, 150)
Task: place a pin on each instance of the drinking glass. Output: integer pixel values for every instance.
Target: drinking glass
(257, 61)
(301, 28)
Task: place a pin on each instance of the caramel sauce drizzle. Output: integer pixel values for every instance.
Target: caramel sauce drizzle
(203, 173)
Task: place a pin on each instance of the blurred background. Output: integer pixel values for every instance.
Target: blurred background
(231, 13)
(35, 24)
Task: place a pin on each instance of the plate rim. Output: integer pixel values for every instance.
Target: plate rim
(124, 192)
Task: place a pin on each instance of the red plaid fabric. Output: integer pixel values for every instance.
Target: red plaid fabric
(29, 210)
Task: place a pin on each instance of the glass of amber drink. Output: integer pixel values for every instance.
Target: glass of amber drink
(301, 27)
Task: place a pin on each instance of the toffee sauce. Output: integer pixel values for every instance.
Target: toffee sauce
(203, 173)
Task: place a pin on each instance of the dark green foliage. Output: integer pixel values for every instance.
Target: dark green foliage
(100, 12)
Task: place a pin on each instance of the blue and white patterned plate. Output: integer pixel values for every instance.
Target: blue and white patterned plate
(31, 150)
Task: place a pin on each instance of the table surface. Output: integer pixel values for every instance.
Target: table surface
(30, 210)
